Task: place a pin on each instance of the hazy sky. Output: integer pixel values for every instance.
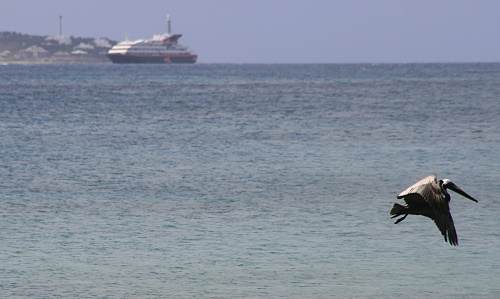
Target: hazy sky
(281, 31)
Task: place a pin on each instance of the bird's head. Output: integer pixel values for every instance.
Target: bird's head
(447, 184)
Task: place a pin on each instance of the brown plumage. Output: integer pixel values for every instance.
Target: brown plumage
(429, 197)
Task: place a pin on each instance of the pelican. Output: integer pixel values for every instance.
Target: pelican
(429, 197)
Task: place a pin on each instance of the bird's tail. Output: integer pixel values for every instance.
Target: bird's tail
(397, 210)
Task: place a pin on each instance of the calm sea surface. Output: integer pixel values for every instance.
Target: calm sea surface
(245, 181)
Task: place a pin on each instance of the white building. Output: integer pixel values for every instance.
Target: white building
(34, 52)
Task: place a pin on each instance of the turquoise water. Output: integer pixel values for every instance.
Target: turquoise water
(245, 181)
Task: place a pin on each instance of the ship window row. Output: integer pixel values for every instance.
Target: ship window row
(156, 52)
(149, 48)
(146, 48)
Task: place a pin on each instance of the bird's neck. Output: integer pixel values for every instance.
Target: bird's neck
(445, 192)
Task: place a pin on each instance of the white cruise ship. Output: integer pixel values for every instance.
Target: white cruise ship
(163, 48)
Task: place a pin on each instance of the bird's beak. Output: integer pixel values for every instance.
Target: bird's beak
(460, 191)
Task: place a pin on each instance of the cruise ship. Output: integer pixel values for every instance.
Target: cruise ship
(164, 48)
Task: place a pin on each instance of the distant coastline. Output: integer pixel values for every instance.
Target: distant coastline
(18, 48)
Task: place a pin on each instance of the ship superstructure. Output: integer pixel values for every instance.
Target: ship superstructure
(164, 48)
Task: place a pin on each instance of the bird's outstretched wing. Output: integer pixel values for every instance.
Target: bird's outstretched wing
(445, 224)
(421, 187)
(430, 191)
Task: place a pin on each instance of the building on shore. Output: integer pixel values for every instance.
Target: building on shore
(5, 54)
(34, 53)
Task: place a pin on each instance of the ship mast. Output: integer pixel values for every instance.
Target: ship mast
(168, 24)
(60, 26)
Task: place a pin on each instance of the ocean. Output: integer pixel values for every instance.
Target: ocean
(245, 181)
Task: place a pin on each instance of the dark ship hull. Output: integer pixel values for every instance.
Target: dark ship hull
(124, 58)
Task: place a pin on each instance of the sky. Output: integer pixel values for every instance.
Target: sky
(281, 31)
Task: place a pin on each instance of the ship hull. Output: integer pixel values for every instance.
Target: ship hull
(124, 58)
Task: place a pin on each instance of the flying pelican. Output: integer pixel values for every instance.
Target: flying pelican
(428, 197)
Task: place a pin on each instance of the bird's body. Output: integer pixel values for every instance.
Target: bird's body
(429, 197)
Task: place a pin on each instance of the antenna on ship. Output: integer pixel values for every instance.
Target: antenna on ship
(168, 24)
(60, 25)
